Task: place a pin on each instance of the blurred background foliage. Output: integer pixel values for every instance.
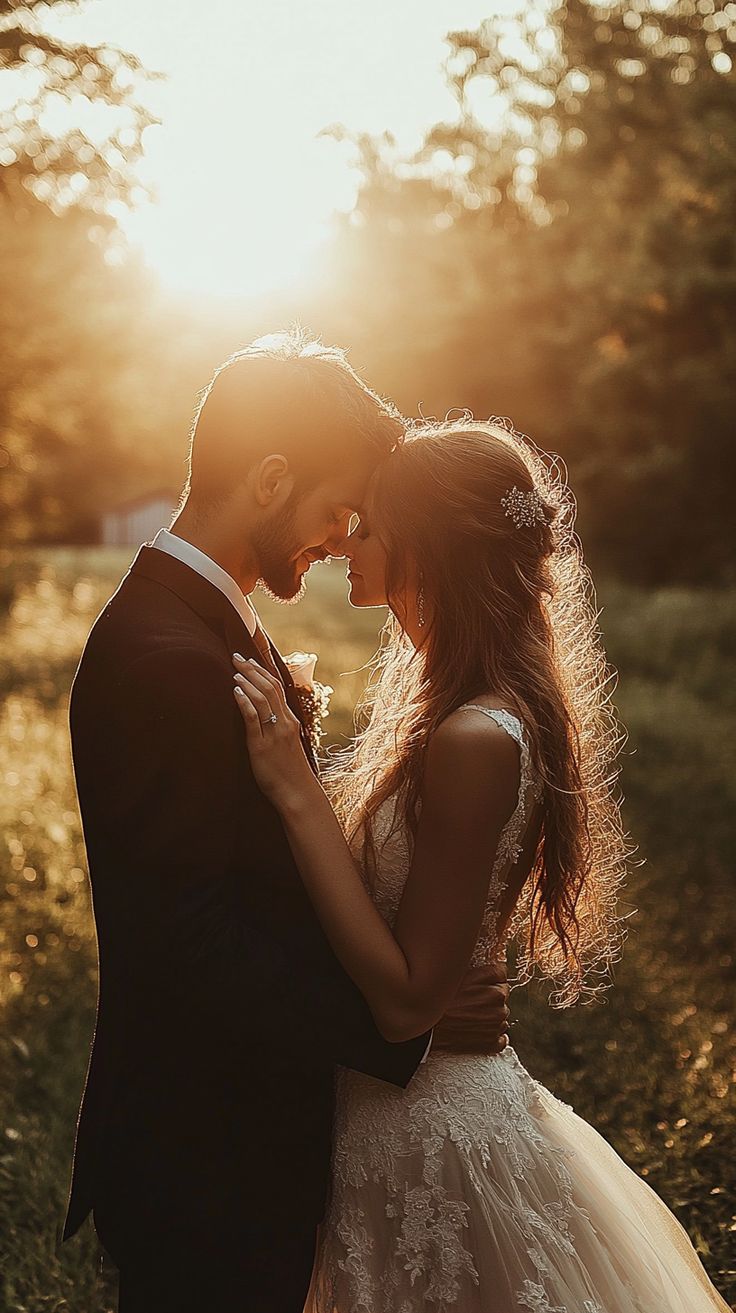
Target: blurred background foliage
(562, 252)
(67, 166)
(573, 265)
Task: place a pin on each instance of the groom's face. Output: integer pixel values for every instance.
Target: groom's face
(309, 528)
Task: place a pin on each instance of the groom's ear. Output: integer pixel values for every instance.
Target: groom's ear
(273, 482)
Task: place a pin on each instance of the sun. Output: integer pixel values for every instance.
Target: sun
(243, 180)
(243, 225)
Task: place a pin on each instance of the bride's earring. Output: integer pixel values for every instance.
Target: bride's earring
(420, 606)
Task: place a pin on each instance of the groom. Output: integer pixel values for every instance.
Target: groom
(203, 1143)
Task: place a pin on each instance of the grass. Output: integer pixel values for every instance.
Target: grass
(653, 1068)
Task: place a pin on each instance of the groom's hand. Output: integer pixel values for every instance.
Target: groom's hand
(478, 1020)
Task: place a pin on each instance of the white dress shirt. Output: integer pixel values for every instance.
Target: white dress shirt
(198, 560)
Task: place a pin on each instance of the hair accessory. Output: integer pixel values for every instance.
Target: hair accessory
(524, 508)
(420, 607)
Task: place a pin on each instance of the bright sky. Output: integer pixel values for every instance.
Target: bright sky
(245, 185)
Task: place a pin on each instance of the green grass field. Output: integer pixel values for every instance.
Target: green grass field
(653, 1068)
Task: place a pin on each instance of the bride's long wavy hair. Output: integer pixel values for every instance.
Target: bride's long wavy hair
(511, 613)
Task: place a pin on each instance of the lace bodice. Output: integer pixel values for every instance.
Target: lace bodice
(394, 846)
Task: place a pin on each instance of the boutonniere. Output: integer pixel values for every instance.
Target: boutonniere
(314, 698)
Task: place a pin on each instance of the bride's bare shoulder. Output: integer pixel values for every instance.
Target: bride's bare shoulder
(472, 757)
(472, 723)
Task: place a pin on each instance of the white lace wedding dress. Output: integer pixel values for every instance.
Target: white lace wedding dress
(475, 1190)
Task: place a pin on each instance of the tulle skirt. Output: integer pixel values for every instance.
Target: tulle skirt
(476, 1191)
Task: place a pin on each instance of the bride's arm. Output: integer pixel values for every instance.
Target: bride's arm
(409, 975)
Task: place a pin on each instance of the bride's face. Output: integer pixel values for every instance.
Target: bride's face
(366, 565)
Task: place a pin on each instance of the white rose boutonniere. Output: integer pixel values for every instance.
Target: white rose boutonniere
(314, 698)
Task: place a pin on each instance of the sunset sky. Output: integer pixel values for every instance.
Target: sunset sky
(245, 185)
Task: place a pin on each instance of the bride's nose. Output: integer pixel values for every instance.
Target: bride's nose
(345, 547)
(336, 540)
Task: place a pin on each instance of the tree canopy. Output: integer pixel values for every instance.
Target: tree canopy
(564, 252)
(59, 161)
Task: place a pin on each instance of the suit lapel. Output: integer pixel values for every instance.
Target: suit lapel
(197, 592)
(219, 615)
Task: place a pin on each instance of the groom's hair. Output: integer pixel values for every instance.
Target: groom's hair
(286, 393)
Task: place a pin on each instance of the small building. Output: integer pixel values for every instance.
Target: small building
(137, 521)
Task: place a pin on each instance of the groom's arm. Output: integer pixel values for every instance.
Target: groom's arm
(356, 1041)
(186, 802)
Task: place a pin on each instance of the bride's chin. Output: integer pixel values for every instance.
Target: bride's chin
(363, 603)
(356, 591)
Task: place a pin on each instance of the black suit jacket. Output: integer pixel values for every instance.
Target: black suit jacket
(222, 1009)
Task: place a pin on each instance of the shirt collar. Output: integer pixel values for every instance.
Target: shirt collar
(198, 560)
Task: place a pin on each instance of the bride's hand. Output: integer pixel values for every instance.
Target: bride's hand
(277, 757)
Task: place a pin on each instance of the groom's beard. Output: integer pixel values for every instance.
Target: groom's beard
(278, 552)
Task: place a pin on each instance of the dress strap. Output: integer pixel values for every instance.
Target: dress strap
(504, 719)
(530, 790)
(511, 839)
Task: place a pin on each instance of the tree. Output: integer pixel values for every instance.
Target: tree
(565, 253)
(625, 174)
(72, 372)
(78, 382)
(67, 166)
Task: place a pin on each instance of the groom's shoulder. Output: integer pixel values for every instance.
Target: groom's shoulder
(144, 627)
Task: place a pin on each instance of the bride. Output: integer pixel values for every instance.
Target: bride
(479, 807)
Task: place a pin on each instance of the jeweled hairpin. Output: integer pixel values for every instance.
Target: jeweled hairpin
(525, 508)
